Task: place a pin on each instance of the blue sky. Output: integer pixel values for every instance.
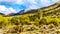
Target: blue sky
(14, 6)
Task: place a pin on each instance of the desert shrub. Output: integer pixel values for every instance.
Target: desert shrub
(1, 24)
(15, 20)
(32, 18)
(24, 20)
(15, 29)
(3, 21)
(43, 21)
(36, 21)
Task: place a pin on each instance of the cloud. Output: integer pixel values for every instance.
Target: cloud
(13, 1)
(6, 11)
(31, 2)
(28, 1)
(35, 4)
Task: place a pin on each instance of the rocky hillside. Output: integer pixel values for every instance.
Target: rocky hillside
(41, 21)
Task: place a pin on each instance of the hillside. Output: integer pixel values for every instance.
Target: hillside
(42, 21)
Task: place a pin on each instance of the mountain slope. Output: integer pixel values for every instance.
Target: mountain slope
(44, 20)
(52, 11)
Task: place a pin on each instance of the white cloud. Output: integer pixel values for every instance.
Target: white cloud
(13, 1)
(47, 2)
(28, 1)
(42, 3)
(6, 11)
(19, 2)
(33, 7)
(33, 2)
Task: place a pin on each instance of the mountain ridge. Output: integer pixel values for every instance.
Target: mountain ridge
(56, 5)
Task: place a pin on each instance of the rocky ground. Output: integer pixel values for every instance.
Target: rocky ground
(32, 29)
